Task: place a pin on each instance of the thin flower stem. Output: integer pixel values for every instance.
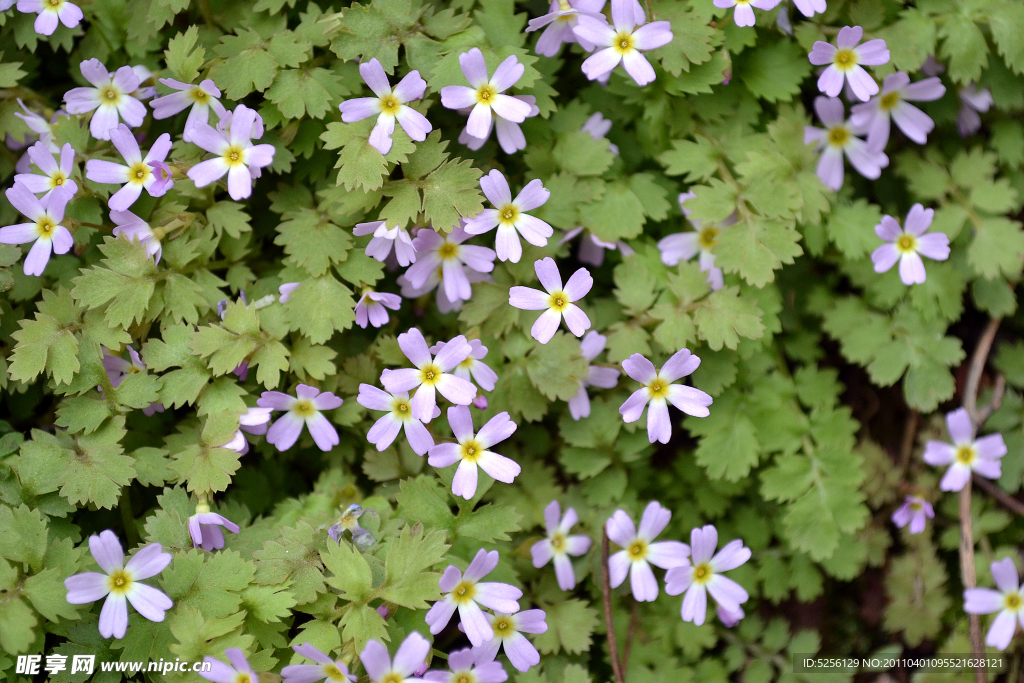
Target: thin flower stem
(909, 436)
(1000, 495)
(634, 622)
(606, 591)
(977, 367)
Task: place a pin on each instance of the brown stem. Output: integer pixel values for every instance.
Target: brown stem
(606, 590)
(970, 580)
(997, 400)
(1000, 495)
(909, 435)
(634, 622)
(977, 367)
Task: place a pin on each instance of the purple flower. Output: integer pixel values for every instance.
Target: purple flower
(237, 443)
(286, 291)
(430, 374)
(325, 667)
(411, 655)
(972, 101)
(433, 282)
(622, 42)
(916, 512)
(727, 617)
(485, 94)
(45, 229)
(383, 238)
(473, 367)
(372, 307)
(201, 98)
(110, 96)
(466, 593)
(448, 254)
(388, 105)
(560, 22)
(305, 409)
(1008, 601)
(808, 8)
(136, 174)
(559, 545)
(598, 126)
(906, 245)
(510, 217)
(469, 666)
(743, 15)
(701, 574)
(508, 632)
(839, 137)
(639, 551)
(683, 246)
(510, 135)
(557, 303)
(592, 249)
(204, 527)
(133, 228)
(349, 522)
(40, 126)
(50, 13)
(659, 391)
(844, 61)
(144, 92)
(56, 177)
(119, 583)
(238, 672)
(236, 156)
(118, 368)
(965, 454)
(471, 451)
(597, 376)
(254, 420)
(399, 415)
(893, 102)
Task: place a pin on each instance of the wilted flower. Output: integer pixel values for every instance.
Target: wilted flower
(238, 672)
(1008, 601)
(133, 228)
(916, 512)
(303, 410)
(388, 105)
(204, 527)
(466, 594)
(485, 94)
(894, 102)
(448, 254)
(383, 238)
(743, 15)
(622, 42)
(120, 583)
(597, 376)
(560, 21)
(559, 545)
(45, 229)
(56, 177)
(701, 574)
(510, 217)
(411, 655)
(908, 243)
(966, 454)
(372, 307)
(839, 137)
(472, 451)
(430, 374)
(399, 415)
(972, 101)
(110, 95)
(844, 61)
(361, 538)
(659, 390)
(639, 551)
(201, 98)
(136, 174)
(235, 155)
(508, 632)
(473, 367)
(325, 667)
(557, 303)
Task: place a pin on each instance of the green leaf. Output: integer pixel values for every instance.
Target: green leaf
(351, 573)
(697, 160)
(556, 367)
(451, 192)
(756, 248)
(319, 307)
(312, 241)
(23, 535)
(773, 72)
(998, 248)
(97, 469)
(851, 228)
(306, 91)
(249, 62)
(725, 316)
(964, 48)
(182, 60)
(406, 582)
(580, 154)
(571, 624)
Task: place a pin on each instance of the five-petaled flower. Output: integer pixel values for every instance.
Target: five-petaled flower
(1007, 600)
(469, 666)
(56, 177)
(449, 255)
(473, 451)
(388, 105)
(398, 416)
(334, 671)
(893, 102)
(305, 408)
(45, 229)
(560, 22)
(639, 551)
(466, 593)
(907, 244)
(110, 95)
(510, 217)
(236, 156)
(430, 374)
(238, 672)
(557, 302)
(683, 246)
(701, 574)
(743, 15)
(486, 94)
(597, 375)
(410, 658)
(51, 12)
(204, 526)
(120, 583)
(201, 98)
(844, 61)
(559, 545)
(839, 137)
(659, 391)
(621, 42)
(508, 633)
(966, 454)
(136, 173)
(916, 512)
(372, 307)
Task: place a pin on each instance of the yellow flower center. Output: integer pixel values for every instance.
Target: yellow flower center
(838, 136)
(708, 238)
(110, 95)
(702, 573)
(558, 542)
(1013, 601)
(429, 374)
(447, 250)
(845, 59)
(906, 243)
(464, 593)
(45, 227)
(472, 450)
(119, 582)
(389, 104)
(401, 408)
(623, 42)
(658, 388)
(233, 155)
(463, 677)
(304, 408)
(503, 627)
(558, 301)
(58, 179)
(139, 172)
(334, 673)
(485, 94)
(243, 677)
(965, 455)
(393, 677)
(889, 101)
(916, 505)
(200, 95)
(55, 4)
(508, 214)
(637, 550)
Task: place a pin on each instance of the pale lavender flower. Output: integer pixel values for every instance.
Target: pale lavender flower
(485, 94)
(701, 574)
(473, 451)
(557, 303)
(40, 126)
(147, 83)
(473, 368)
(255, 420)
(509, 216)
(598, 126)
(894, 102)
(510, 135)
(237, 443)
(639, 551)
(201, 98)
(447, 253)
(844, 61)
(839, 137)
(118, 369)
(110, 97)
(204, 527)
(383, 238)
(916, 512)
(136, 174)
(398, 416)
(235, 155)
(591, 250)
(972, 101)
(238, 672)
(559, 545)
(1007, 600)
(434, 282)
(56, 177)
(285, 291)
(466, 594)
(430, 374)
(411, 656)
(325, 667)
(622, 42)
(683, 246)
(966, 454)
(131, 227)
(51, 12)
(469, 666)
(303, 409)
(388, 106)
(120, 584)
(480, 402)
(560, 21)
(659, 390)
(508, 633)
(372, 307)
(743, 15)
(808, 8)
(730, 618)
(907, 244)
(45, 229)
(597, 376)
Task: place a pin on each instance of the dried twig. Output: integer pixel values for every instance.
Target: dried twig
(977, 367)
(1000, 495)
(634, 622)
(606, 590)
(909, 435)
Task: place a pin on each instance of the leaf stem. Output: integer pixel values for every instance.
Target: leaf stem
(606, 591)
